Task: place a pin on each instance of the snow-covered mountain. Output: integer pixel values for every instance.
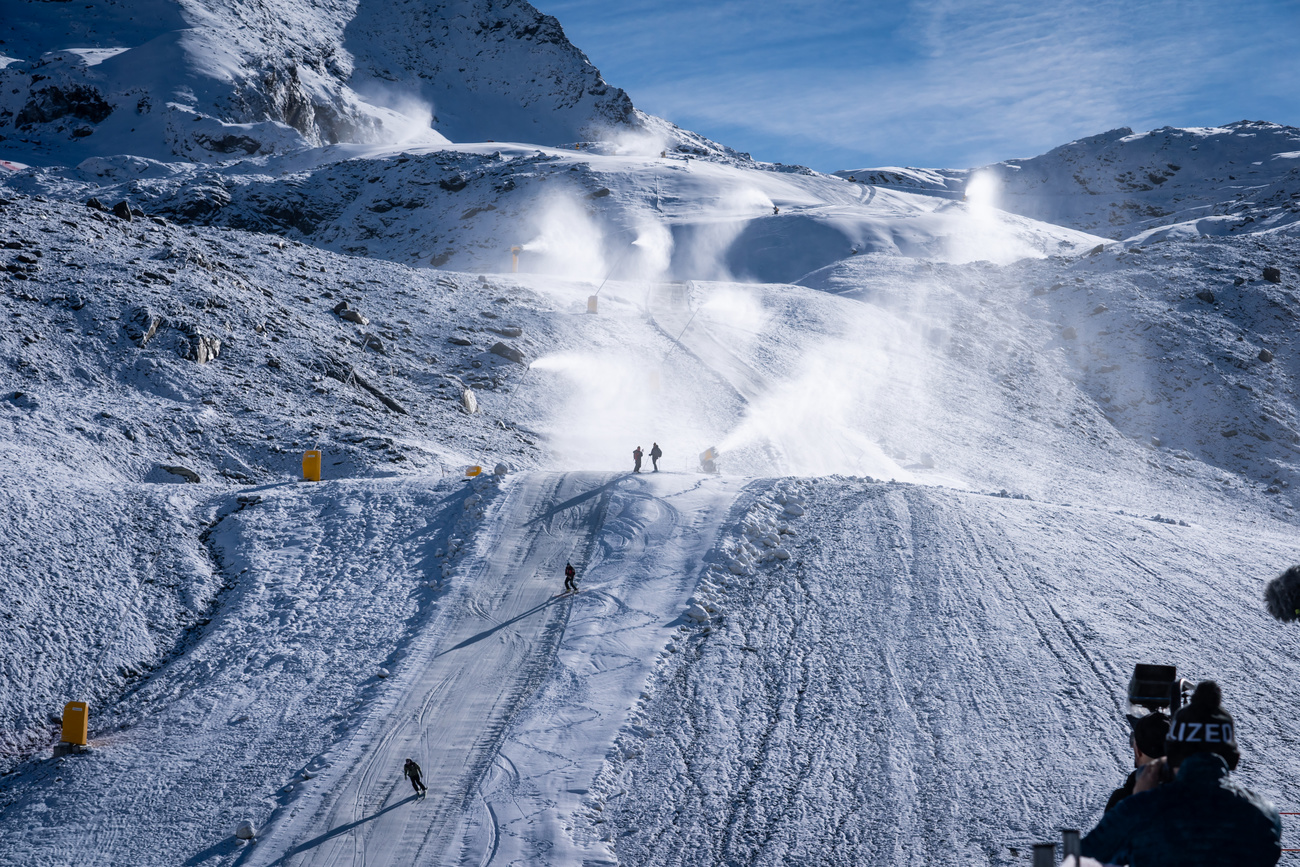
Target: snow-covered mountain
(1241, 177)
(213, 80)
(976, 459)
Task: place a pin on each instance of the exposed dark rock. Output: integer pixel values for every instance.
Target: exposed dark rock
(459, 341)
(507, 352)
(95, 204)
(1265, 355)
(508, 331)
(340, 307)
(599, 194)
(229, 143)
(1206, 295)
(122, 210)
(188, 475)
(350, 315)
(1273, 275)
(454, 183)
(142, 324)
(1068, 333)
(54, 102)
(198, 203)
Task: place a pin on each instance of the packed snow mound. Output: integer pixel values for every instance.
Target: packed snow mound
(1240, 178)
(222, 80)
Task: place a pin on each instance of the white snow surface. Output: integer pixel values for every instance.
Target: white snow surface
(973, 464)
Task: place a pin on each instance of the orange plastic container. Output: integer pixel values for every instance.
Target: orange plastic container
(76, 722)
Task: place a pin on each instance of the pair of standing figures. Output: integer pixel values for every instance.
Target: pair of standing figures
(655, 454)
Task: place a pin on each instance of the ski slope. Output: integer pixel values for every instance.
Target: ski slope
(482, 666)
(938, 678)
(849, 649)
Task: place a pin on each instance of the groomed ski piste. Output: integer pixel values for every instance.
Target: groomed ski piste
(960, 496)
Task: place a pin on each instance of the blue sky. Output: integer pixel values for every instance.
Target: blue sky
(940, 83)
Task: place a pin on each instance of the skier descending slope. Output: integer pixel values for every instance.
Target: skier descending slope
(570, 579)
(412, 770)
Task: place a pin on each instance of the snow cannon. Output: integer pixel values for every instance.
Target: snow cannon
(591, 303)
(311, 466)
(471, 472)
(1157, 686)
(709, 460)
(76, 728)
(514, 256)
(1282, 595)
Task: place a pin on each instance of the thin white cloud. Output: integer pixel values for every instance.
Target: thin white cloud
(986, 79)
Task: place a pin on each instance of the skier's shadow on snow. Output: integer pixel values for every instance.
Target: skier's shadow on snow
(313, 843)
(502, 625)
(584, 496)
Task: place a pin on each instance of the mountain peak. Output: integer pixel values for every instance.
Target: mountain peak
(213, 80)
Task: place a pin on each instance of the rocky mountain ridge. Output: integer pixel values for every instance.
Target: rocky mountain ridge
(215, 80)
(1242, 177)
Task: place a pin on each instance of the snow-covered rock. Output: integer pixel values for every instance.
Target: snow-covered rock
(213, 81)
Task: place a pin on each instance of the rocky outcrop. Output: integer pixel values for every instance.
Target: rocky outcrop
(244, 84)
(508, 352)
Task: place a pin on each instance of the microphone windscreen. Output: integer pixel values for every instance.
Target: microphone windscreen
(1282, 595)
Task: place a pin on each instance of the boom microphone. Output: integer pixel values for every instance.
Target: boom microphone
(1282, 595)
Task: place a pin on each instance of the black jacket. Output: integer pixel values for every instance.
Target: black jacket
(1202, 819)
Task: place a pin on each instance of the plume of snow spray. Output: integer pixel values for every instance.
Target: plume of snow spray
(568, 242)
(607, 409)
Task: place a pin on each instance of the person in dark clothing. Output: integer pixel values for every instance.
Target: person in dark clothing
(1203, 818)
(412, 770)
(636, 459)
(1148, 742)
(570, 579)
(655, 454)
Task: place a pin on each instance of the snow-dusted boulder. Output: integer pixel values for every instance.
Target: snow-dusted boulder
(245, 830)
(695, 611)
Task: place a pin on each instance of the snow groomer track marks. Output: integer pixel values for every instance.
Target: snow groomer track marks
(456, 695)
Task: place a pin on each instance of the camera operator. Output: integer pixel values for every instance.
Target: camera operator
(1201, 818)
(1148, 741)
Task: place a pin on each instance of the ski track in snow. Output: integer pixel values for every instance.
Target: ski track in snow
(937, 678)
(442, 715)
(901, 674)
